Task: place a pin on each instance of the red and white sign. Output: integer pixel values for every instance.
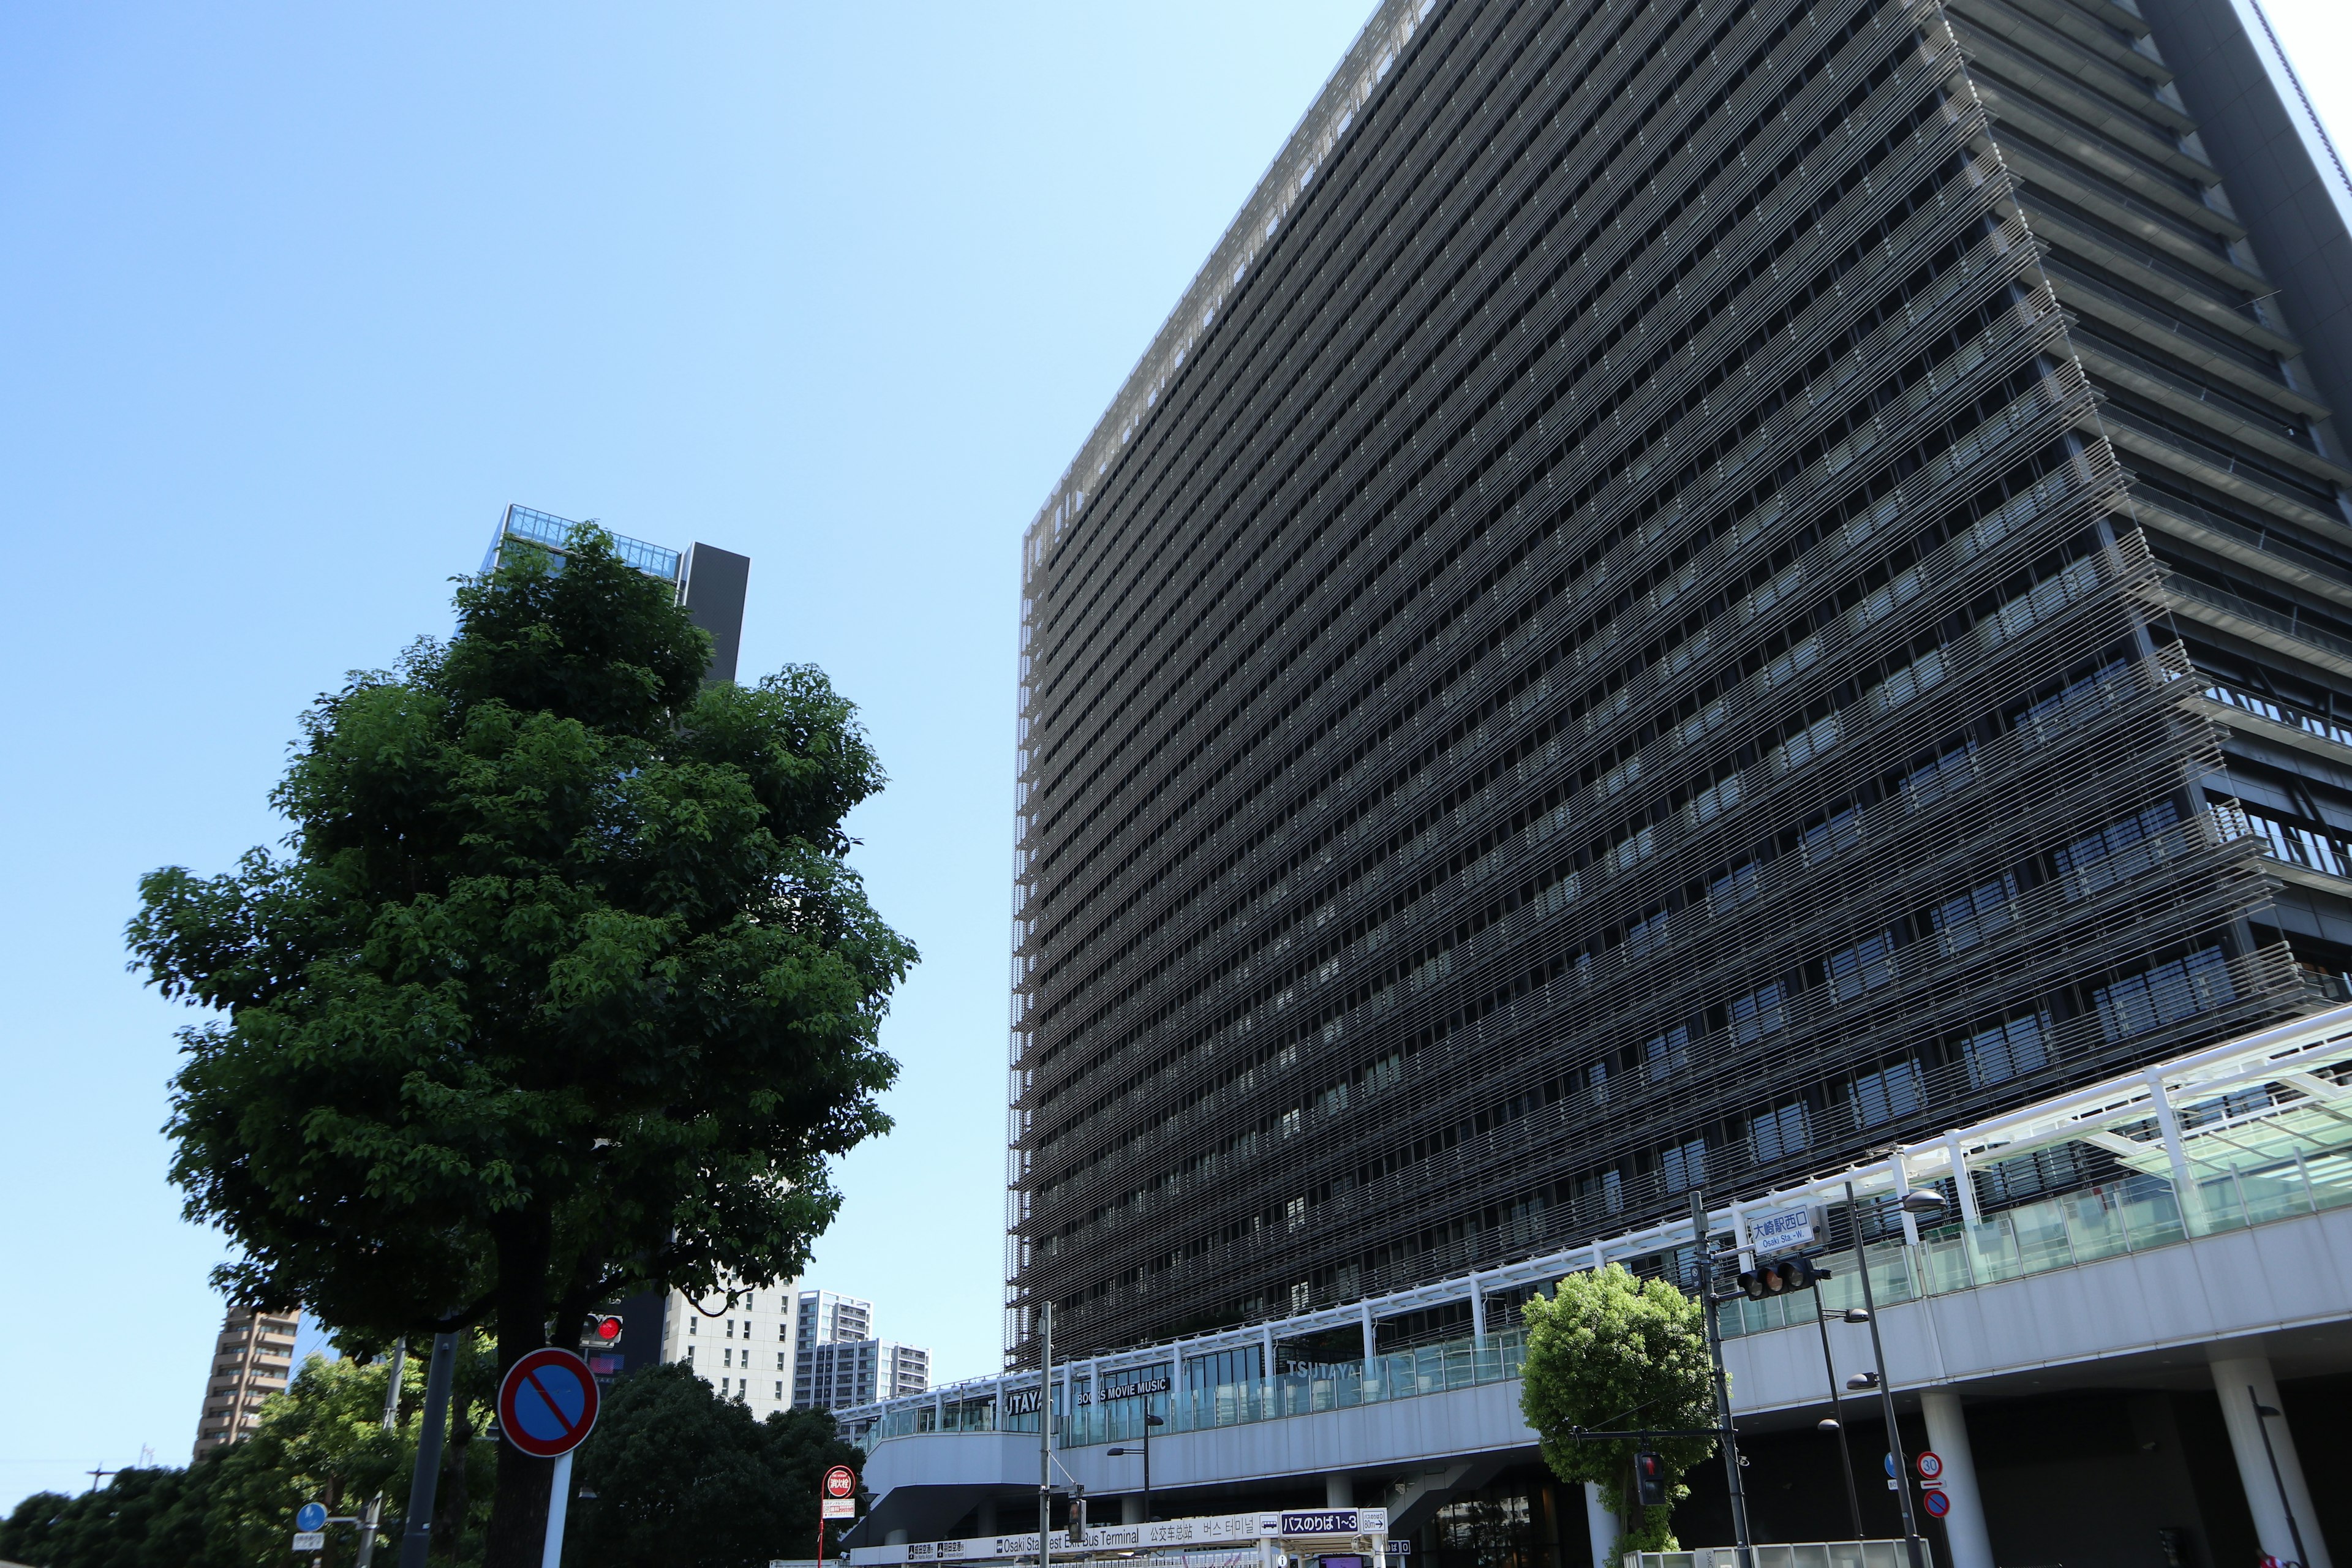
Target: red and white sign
(837, 1507)
(547, 1402)
(841, 1481)
(1930, 1465)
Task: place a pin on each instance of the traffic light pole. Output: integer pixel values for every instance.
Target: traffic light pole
(1911, 1537)
(1731, 1464)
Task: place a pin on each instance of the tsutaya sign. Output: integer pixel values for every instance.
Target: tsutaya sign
(1320, 1525)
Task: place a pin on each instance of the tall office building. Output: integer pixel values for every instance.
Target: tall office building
(253, 1358)
(1694, 588)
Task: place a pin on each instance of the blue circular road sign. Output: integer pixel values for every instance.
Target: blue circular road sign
(310, 1516)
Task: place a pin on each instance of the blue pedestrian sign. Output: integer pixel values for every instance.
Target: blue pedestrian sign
(310, 1516)
(1890, 1466)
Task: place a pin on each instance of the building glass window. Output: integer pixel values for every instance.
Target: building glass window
(1881, 1096)
(2164, 994)
(1777, 1134)
(2006, 1050)
(1667, 1053)
(1684, 1165)
(1757, 1015)
(1863, 967)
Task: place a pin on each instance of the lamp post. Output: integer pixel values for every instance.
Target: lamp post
(1149, 1421)
(1918, 1202)
(1836, 1423)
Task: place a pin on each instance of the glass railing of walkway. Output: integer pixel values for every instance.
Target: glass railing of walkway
(2263, 1135)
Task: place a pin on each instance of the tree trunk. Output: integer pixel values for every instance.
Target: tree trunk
(519, 1502)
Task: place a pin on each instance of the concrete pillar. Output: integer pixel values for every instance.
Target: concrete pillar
(895, 1537)
(1601, 1525)
(986, 1523)
(1338, 1490)
(2233, 1376)
(1947, 1436)
(1130, 1509)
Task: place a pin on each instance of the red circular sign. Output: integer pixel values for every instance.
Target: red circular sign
(547, 1402)
(840, 1482)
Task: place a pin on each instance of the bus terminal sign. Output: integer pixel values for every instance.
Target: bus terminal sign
(1336, 1521)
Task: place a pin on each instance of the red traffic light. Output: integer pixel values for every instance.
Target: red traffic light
(1650, 1479)
(604, 1329)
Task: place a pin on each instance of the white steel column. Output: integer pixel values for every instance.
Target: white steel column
(1477, 1314)
(1600, 1524)
(1338, 1490)
(2233, 1376)
(1947, 1436)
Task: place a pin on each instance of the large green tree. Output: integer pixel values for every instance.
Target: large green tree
(1612, 1353)
(683, 1478)
(562, 987)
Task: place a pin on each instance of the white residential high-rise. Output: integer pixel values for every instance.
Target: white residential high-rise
(859, 1372)
(744, 1352)
(252, 1359)
(828, 1317)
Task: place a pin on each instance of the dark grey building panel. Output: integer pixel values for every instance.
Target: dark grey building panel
(712, 589)
(2284, 179)
(1672, 607)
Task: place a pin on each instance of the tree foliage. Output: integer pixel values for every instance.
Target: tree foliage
(684, 1478)
(323, 1440)
(1611, 1353)
(564, 988)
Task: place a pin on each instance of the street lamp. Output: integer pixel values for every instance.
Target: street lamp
(1836, 1424)
(1920, 1202)
(1149, 1421)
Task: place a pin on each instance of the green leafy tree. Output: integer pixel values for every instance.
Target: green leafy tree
(151, 1517)
(684, 1478)
(1610, 1354)
(564, 988)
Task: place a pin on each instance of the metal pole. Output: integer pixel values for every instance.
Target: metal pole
(1146, 1461)
(558, 1497)
(1722, 1383)
(1046, 1436)
(1911, 1537)
(1837, 1407)
(2262, 1420)
(391, 1423)
(416, 1534)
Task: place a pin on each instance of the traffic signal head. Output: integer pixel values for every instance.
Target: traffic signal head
(1650, 1479)
(1767, 1280)
(601, 1329)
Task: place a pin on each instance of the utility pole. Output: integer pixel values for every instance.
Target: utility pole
(1911, 1538)
(416, 1533)
(1731, 1466)
(390, 1425)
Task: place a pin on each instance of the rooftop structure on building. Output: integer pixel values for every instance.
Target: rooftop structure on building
(253, 1358)
(1692, 591)
(710, 582)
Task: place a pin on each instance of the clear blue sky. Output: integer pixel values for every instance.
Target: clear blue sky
(294, 299)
